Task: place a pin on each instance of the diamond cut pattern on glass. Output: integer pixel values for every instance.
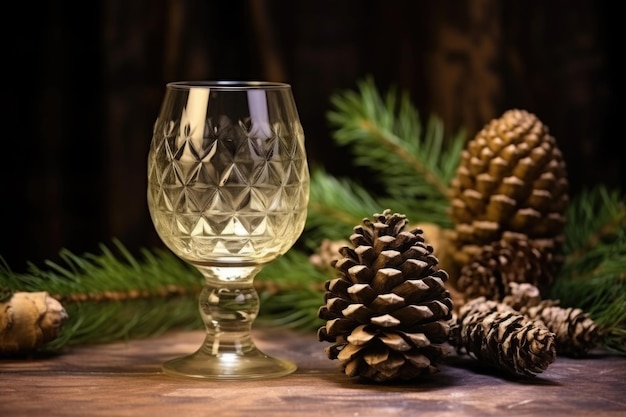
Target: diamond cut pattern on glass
(230, 193)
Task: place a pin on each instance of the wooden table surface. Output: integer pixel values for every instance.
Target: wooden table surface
(124, 379)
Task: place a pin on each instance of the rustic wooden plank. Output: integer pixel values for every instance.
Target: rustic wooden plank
(124, 379)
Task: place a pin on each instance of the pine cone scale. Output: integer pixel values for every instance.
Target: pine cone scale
(396, 342)
(386, 279)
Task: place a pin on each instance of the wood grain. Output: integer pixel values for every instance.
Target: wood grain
(124, 379)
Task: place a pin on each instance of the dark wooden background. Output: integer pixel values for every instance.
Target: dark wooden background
(83, 84)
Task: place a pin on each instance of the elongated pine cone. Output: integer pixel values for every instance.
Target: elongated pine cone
(497, 335)
(387, 314)
(512, 259)
(511, 178)
(576, 332)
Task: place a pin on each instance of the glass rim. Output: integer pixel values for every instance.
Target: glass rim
(227, 85)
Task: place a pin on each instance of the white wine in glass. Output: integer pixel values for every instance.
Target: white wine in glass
(228, 188)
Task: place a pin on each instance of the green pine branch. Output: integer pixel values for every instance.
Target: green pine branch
(412, 163)
(114, 295)
(111, 274)
(593, 277)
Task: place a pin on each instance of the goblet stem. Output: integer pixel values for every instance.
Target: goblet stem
(229, 304)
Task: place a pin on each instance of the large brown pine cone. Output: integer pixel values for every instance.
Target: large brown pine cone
(387, 314)
(511, 178)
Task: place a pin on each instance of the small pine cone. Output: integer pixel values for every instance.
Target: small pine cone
(513, 259)
(511, 178)
(387, 314)
(29, 320)
(576, 332)
(496, 334)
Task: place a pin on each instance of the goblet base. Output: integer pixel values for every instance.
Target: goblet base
(254, 364)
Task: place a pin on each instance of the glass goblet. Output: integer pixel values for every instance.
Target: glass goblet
(228, 188)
